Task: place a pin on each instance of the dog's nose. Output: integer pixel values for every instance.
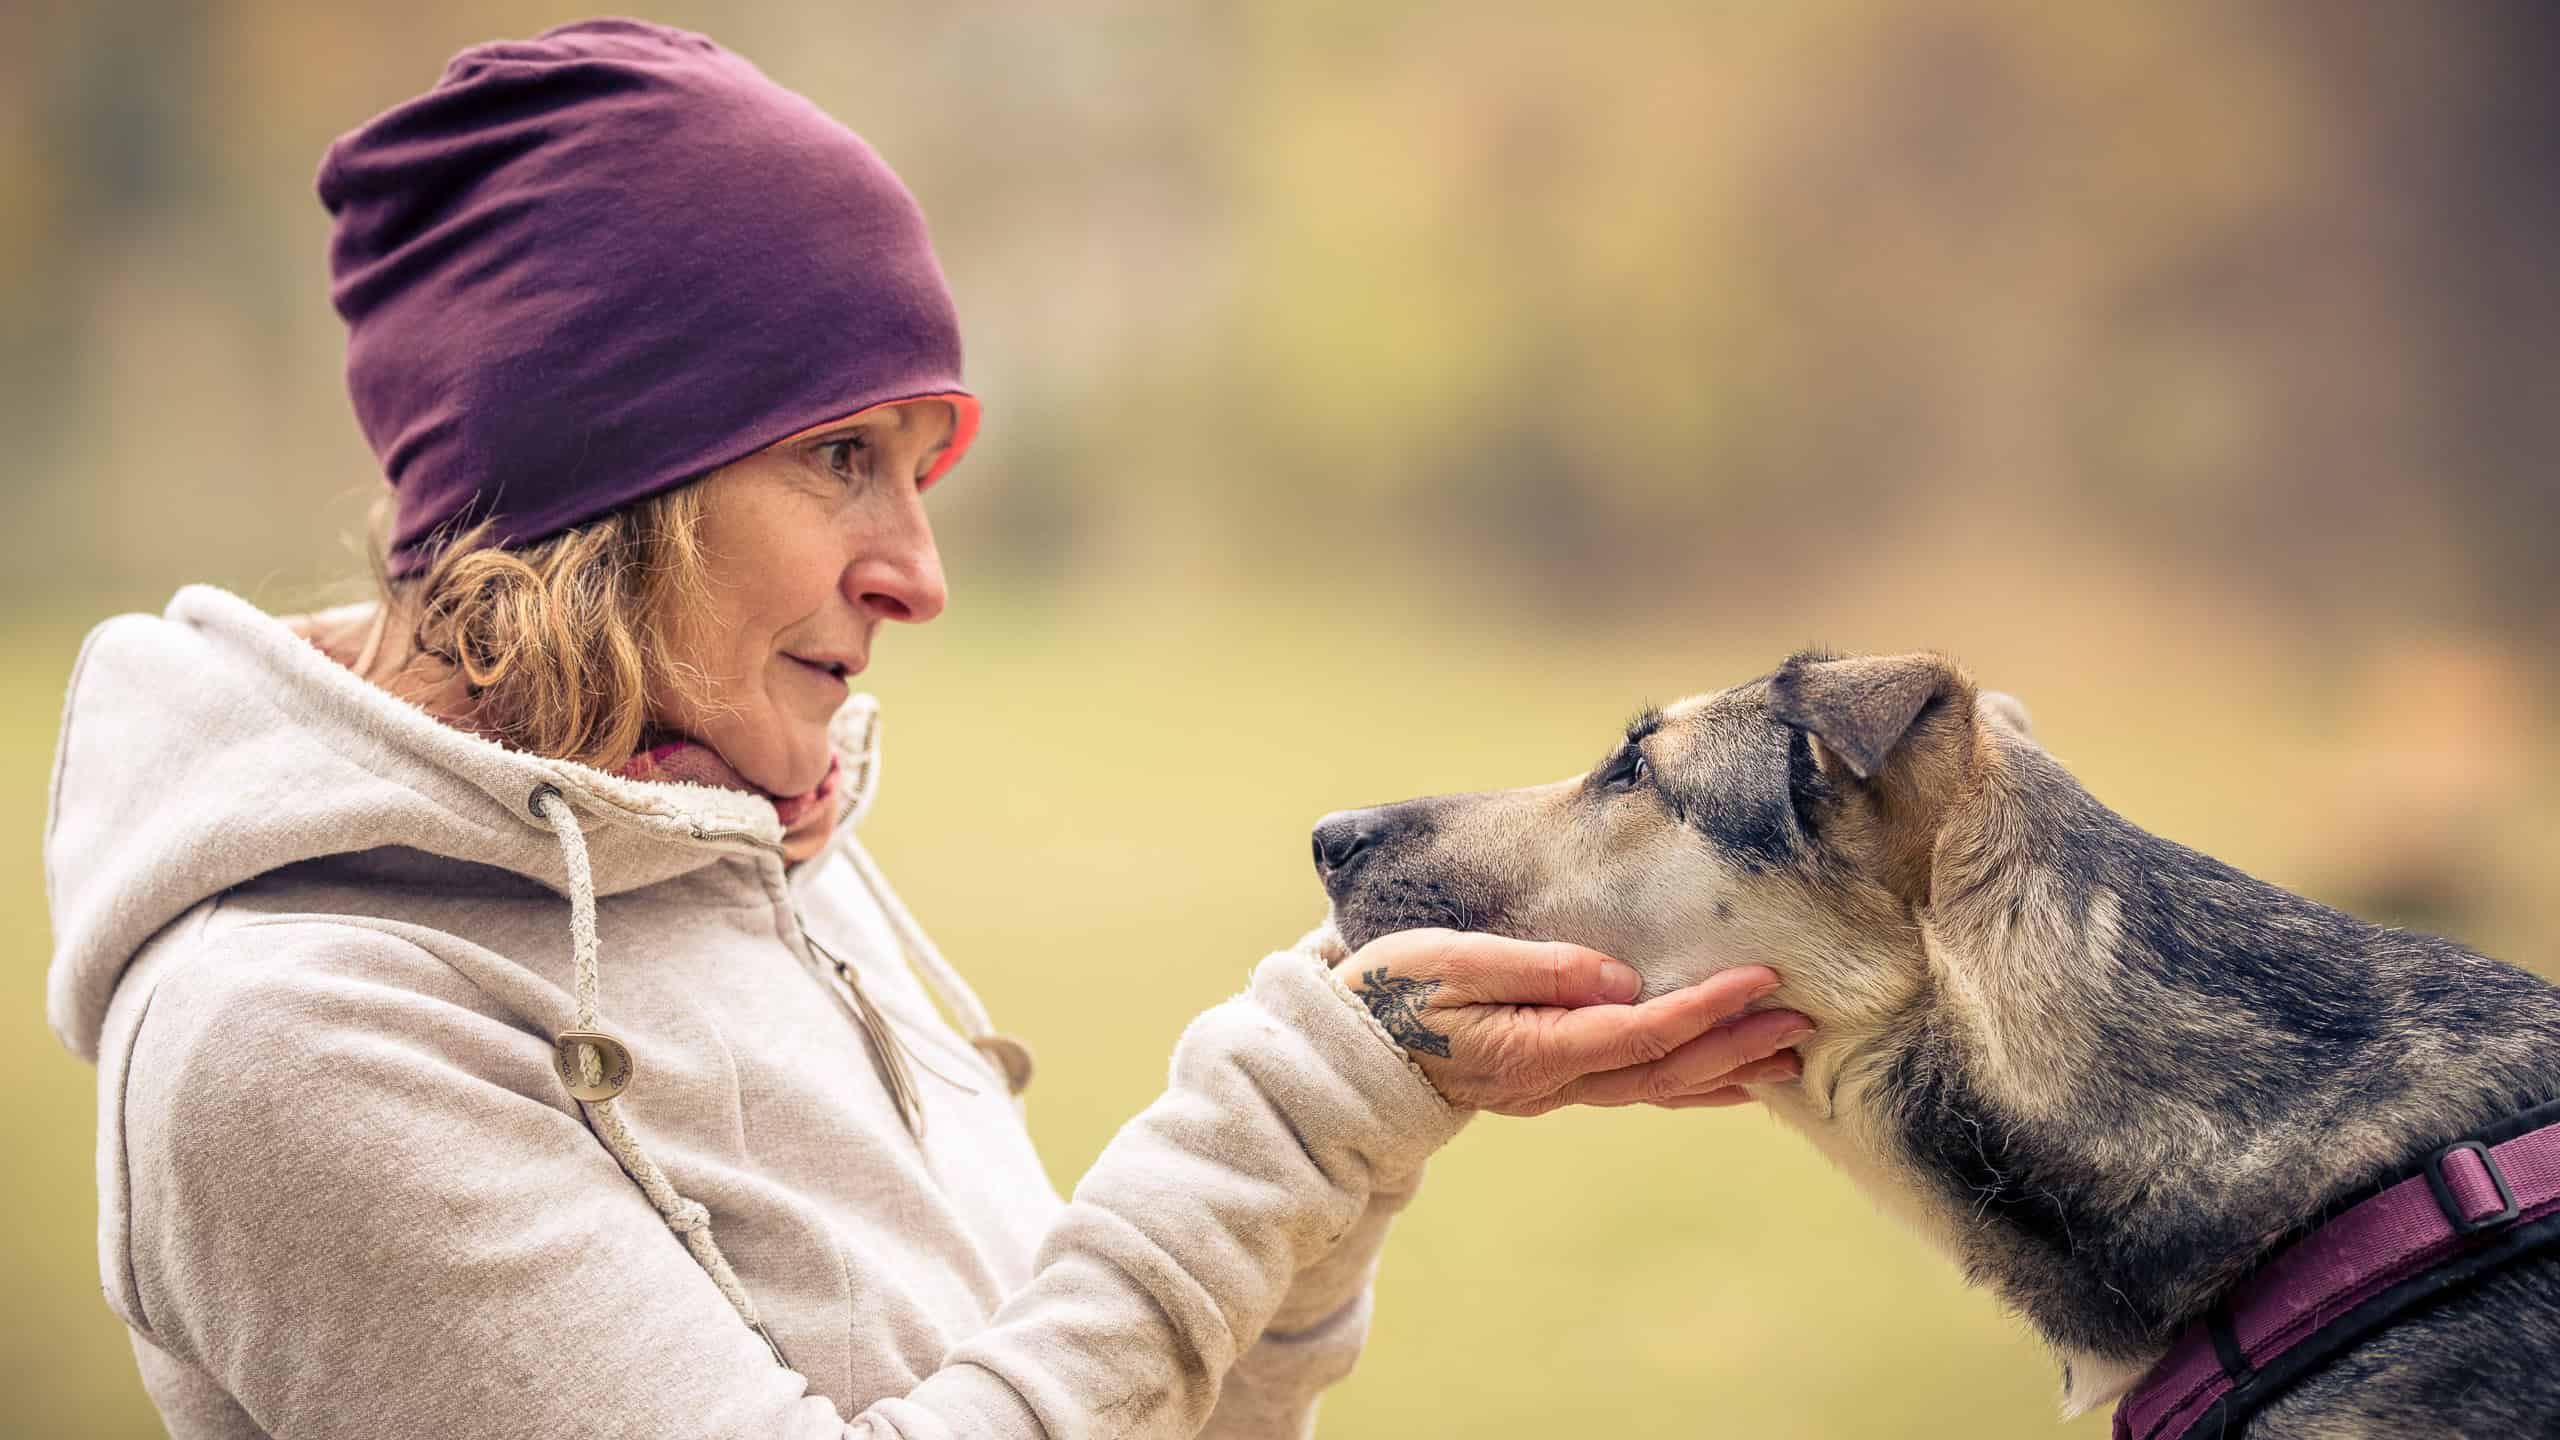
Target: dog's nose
(1342, 836)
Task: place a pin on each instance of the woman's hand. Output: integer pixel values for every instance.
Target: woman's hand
(1521, 1027)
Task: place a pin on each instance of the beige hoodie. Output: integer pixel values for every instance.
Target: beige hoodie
(320, 944)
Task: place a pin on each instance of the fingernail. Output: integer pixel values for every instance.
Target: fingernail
(1619, 981)
(1769, 1071)
(1794, 1033)
(1765, 987)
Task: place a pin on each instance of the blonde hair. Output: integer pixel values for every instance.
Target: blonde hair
(564, 647)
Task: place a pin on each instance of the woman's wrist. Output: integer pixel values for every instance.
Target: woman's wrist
(1412, 1119)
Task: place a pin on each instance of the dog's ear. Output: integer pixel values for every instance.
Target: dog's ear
(1897, 730)
(1864, 710)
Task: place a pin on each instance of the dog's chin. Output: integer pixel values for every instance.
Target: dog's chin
(1357, 923)
(1666, 973)
(1360, 927)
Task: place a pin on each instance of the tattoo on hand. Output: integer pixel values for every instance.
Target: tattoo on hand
(1397, 1002)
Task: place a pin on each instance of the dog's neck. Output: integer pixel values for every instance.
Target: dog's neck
(2128, 1071)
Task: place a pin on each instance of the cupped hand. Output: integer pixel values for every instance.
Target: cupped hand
(1522, 1027)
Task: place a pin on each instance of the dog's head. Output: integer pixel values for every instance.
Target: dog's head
(1793, 820)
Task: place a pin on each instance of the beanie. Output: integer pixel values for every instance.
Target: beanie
(591, 266)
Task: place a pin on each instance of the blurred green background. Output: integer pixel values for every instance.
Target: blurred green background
(1386, 399)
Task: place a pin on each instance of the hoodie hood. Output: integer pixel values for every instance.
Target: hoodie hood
(210, 744)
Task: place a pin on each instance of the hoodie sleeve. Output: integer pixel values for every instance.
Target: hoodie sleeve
(354, 1235)
(1314, 1339)
(1322, 1324)
(1289, 1110)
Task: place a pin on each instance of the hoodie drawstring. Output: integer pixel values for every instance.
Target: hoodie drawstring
(596, 1067)
(1011, 1057)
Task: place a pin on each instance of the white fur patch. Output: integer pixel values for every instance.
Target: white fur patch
(2095, 1380)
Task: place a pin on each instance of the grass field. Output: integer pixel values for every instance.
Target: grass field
(1100, 808)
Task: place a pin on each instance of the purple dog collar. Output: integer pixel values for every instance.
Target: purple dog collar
(2473, 1207)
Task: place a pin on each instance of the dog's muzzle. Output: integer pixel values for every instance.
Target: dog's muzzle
(1347, 839)
(1343, 839)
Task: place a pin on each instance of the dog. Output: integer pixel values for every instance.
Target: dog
(2107, 1075)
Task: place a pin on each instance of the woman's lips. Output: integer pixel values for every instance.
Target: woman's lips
(823, 672)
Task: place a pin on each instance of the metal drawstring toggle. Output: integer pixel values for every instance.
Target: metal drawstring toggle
(1011, 1058)
(594, 1065)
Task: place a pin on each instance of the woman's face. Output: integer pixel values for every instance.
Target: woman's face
(811, 542)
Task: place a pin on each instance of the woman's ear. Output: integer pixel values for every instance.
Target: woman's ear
(1898, 730)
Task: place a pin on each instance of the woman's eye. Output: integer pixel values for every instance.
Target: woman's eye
(848, 467)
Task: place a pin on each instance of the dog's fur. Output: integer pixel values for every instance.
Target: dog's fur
(2107, 1074)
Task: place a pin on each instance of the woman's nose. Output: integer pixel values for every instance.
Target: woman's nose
(902, 579)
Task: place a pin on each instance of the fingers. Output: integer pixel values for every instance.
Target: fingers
(1523, 1027)
(1729, 1095)
(1750, 1051)
(1581, 1042)
(1478, 968)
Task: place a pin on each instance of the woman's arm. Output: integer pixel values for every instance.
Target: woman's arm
(354, 1233)
(1315, 1338)
(1322, 1324)
(1286, 1111)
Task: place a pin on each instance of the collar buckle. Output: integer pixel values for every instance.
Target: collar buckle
(2456, 1212)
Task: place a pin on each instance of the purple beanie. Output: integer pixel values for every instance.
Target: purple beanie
(596, 264)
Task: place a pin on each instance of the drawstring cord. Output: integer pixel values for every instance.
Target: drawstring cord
(1010, 1057)
(888, 1053)
(596, 1067)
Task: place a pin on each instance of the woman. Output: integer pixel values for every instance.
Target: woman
(500, 1031)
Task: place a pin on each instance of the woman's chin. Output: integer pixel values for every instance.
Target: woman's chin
(793, 767)
(808, 769)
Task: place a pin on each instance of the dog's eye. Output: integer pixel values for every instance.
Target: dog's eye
(1625, 772)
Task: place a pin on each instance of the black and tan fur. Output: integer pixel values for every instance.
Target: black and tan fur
(2105, 1073)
